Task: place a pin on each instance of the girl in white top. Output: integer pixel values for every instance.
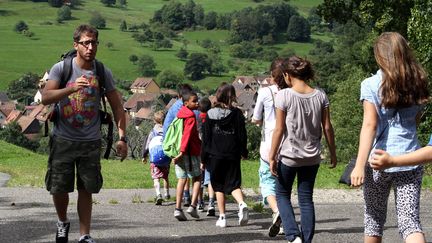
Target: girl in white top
(265, 115)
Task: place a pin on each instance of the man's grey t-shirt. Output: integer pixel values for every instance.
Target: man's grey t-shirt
(301, 144)
(78, 118)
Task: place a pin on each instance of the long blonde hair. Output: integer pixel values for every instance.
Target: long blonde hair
(404, 79)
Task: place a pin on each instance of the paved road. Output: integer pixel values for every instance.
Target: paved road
(27, 215)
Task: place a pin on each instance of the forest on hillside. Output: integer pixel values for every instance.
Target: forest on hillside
(253, 35)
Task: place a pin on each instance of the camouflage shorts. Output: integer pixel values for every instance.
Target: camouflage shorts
(64, 157)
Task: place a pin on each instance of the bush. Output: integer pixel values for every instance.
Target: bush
(97, 21)
(253, 143)
(64, 13)
(169, 78)
(12, 134)
(21, 26)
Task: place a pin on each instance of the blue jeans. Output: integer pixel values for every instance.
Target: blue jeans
(305, 183)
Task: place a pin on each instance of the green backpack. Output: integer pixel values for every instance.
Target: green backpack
(172, 139)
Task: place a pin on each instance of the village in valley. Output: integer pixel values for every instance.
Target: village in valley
(146, 98)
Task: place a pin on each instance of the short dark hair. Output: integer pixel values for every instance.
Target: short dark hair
(204, 104)
(188, 95)
(84, 28)
(183, 89)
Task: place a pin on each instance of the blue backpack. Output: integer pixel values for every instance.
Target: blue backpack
(156, 153)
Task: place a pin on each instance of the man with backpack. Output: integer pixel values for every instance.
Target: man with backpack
(76, 138)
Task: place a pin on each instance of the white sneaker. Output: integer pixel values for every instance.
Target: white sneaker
(275, 226)
(296, 240)
(193, 212)
(243, 214)
(179, 215)
(221, 222)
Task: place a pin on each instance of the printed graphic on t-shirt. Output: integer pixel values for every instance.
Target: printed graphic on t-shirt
(82, 106)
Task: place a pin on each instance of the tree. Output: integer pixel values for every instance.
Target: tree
(64, 13)
(133, 58)
(55, 3)
(189, 15)
(172, 15)
(314, 19)
(24, 88)
(198, 14)
(109, 45)
(97, 20)
(182, 54)
(347, 113)
(210, 20)
(122, 3)
(196, 65)
(123, 26)
(169, 79)
(141, 38)
(12, 134)
(298, 29)
(379, 14)
(146, 65)
(108, 3)
(223, 21)
(216, 64)
(21, 26)
(165, 43)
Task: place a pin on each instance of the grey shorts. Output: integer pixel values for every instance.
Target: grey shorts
(64, 157)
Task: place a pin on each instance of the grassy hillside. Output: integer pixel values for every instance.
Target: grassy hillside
(28, 169)
(21, 54)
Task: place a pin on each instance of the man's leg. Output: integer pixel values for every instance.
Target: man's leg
(84, 208)
(61, 202)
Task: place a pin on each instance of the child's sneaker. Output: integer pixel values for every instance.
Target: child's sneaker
(211, 211)
(87, 239)
(281, 231)
(243, 214)
(221, 222)
(167, 197)
(62, 232)
(296, 240)
(275, 226)
(192, 211)
(159, 200)
(200, 207)
(179, 215)
(187, 201)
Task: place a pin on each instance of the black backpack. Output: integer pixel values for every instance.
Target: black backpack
(104, 115)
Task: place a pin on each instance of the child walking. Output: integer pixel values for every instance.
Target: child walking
(187, 163)
(302, 113)
(204, 106)
(161, 169)
(265, 115)
(224, 143)
(392, 101)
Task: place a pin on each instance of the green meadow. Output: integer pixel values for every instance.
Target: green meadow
(20, 54)
(28, 169)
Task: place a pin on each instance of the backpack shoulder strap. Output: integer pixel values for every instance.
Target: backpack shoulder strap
(100, 72)
(67, 71)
